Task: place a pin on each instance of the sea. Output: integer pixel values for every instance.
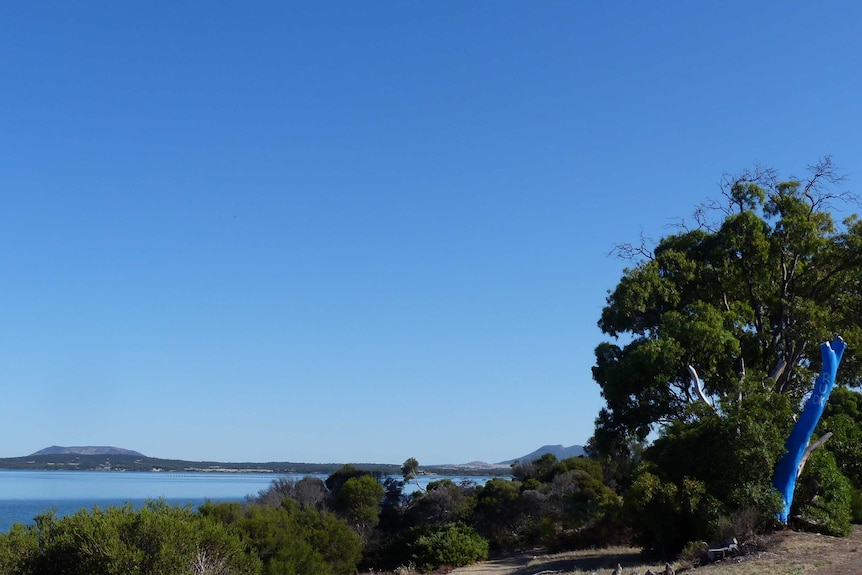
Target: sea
(26, 494)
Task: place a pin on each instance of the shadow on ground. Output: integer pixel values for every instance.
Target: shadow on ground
(598, 561)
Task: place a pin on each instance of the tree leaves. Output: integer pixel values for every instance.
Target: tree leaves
(765, 283)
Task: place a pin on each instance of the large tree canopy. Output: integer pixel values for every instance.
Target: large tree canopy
(745, 296)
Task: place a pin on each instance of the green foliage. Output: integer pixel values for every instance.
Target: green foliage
(225, 512)
(290, 538)
(559, 504)
(771, 278)
(574, 509)
(430, 547)
(157, 540)
(541, 469)
(358, 501)
(308, 491)
(731, 458)
(843, 401)
(843, 417)
(497, 513)
(277, 537)
(666, 515)
(733, 454)
(451, 545)
(391, 508)
(338, 478)
(335, 541)
(19, 548)
(823, 496)
(409, 468)
(442, 502)
(584, 499)
(856, 506)
(756, 287)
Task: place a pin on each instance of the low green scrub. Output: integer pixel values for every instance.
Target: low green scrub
(431, 547)
(289, 538)
(452, 545)
(822, 501)
(155, 540)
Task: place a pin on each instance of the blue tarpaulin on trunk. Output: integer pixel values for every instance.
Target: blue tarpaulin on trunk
(784, 478)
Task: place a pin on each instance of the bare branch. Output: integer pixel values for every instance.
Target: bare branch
(810, 449)
(678, 224)
(700, 218)
(759, 175)
(699, 386)
(825, 174)
(628, 251)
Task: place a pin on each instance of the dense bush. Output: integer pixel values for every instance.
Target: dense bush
(308, 491)
(843, 417)
(856, 506)
(823, 496)
(498, 513)
(155, 540)
(293, 539)
(711, 476)
(18, 550)
(666, 516)
(358, 502)
(565, 504)
(451, 545)
(559, 505)
(442, 502)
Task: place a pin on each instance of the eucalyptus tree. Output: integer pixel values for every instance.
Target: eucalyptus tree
(716, 332)
(410, 470)
(732, 306)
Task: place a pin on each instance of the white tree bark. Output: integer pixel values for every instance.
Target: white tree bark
(698, 386)
(810, 449)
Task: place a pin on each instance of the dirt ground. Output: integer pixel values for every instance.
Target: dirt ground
(785, 553)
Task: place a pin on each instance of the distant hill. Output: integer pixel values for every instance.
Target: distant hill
(86, 450)
(94, 457)
(558, 451)
(100, 458)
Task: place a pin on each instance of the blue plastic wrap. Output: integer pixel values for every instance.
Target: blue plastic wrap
(784, 478)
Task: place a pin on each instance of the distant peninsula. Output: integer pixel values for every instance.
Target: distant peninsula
(103, 458)
(88, 450)
(107, 458)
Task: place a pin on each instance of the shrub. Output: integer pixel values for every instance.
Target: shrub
(856, 506)
(155, 540)
(291, 539)
(693, 553)
(823, 496)
(18, 547)
(666, 516)
(497, 514)
(452, 545)
(429, 547)
(358, 502)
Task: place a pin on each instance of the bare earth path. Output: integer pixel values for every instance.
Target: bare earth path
(503, 566)
(788, 553)
(588, 561)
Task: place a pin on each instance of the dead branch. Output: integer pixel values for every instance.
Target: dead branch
(699, 387)
(810, 449)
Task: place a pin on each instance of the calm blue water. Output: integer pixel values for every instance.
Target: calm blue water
(25, 494)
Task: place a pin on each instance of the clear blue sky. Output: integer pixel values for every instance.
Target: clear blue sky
(366, 231)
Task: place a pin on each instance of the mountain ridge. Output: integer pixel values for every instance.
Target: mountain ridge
(85, 450)
(557, 451)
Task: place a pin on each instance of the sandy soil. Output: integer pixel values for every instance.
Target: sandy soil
(786, 553)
